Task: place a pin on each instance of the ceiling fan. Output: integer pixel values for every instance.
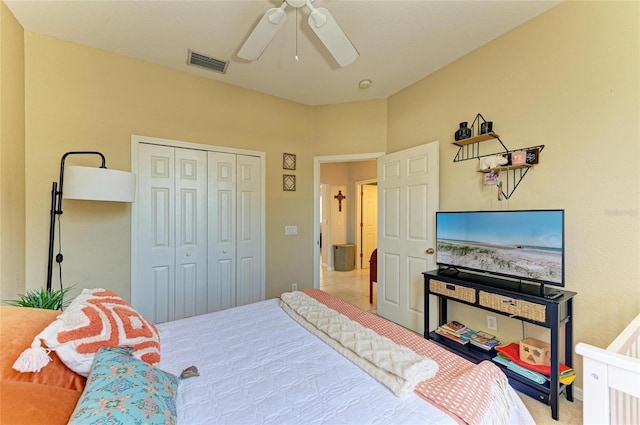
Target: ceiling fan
(320, 21)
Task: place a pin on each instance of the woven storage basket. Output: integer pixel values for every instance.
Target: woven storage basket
(453, 291)
(513, 306)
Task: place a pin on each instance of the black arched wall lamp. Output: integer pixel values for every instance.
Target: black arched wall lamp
(86, 183)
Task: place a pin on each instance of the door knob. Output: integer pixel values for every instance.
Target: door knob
(430, 251)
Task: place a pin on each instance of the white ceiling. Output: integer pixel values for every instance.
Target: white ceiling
(400, 42)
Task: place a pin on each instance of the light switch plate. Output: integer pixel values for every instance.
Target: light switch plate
(290, 230)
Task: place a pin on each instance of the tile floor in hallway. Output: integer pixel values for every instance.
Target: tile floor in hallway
(353, 287)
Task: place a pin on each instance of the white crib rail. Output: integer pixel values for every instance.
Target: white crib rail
(611, 379)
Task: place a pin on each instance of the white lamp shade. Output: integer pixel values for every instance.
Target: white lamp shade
(98, 184)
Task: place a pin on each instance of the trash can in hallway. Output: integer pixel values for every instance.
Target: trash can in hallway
(344, 257)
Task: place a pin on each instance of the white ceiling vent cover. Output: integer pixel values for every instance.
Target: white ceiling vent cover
(207, 62)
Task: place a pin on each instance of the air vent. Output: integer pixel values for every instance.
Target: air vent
(207, 62)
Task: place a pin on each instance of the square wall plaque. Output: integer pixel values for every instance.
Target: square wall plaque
(288, 161)
(288, 182)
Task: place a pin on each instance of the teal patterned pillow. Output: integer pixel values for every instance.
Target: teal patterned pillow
(124, 390)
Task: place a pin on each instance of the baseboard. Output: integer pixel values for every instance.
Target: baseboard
(577, 393)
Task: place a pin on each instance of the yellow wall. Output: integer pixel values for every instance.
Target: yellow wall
(569, 79)
(12, 156)
(81, 98)
(350, 128)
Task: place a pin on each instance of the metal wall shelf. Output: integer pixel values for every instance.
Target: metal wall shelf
(469, 148)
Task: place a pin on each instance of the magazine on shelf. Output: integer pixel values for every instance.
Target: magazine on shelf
(462, 332)
(454, 326)
(451, 336)
(483, 340)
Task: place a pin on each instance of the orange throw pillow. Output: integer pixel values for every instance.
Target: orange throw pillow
(18, 327)
(96, 318)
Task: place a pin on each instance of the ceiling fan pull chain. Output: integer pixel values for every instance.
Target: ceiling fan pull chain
(297, 60)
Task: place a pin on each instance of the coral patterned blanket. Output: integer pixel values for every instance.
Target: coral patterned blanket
(471, 394)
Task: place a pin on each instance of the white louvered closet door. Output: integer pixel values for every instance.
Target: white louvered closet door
(191, 233)
(248, 230)
(235, 202)
(171, 237)
(222, 230)
(197, 241)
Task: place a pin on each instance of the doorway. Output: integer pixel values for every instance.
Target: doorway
(348, 173)
(367, 221)
(409, 187)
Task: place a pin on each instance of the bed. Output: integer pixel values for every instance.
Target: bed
(611, 379)
(257, 364)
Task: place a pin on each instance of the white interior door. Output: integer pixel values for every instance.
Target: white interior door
(197, 228)
(408, 198)
(222, 231)
(155, 236)
(235, 238)
(170, 208)
(248, 240)
(325, 226)
(190, 295)
(369, 223)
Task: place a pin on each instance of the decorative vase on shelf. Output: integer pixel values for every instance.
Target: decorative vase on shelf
(463, 132)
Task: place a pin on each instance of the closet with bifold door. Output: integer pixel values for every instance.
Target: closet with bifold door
(197, 229)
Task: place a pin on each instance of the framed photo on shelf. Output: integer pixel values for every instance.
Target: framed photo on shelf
(288, 182)
(532, 156)
(288, 161)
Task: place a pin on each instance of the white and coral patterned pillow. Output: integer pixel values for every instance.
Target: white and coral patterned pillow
(96, 318)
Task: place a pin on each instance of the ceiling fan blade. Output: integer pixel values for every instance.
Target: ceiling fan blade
(332, 36)
(263, 33)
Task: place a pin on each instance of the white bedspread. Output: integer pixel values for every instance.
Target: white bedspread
(258, 366)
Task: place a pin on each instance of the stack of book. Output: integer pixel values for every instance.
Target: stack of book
(461, 334)
(483, 340)
(455, 331)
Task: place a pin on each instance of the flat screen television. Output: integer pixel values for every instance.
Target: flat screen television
(523, 245)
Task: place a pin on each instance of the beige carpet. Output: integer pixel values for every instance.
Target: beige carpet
(570, 412)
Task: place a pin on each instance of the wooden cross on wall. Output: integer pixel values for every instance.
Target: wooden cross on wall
(340, 197)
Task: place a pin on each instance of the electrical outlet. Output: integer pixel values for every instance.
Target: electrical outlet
(294, 286)
(492, 323)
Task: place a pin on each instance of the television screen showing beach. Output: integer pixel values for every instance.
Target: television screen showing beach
(524, 244)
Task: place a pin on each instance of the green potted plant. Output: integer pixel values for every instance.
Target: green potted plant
(41, 298)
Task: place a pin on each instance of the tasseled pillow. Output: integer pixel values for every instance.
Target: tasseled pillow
(96, 318)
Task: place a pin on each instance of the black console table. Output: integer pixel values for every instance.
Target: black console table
(521, 301)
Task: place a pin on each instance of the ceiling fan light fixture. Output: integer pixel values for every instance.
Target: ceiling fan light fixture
(365, 84)
(277, 15)
(317, 19)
